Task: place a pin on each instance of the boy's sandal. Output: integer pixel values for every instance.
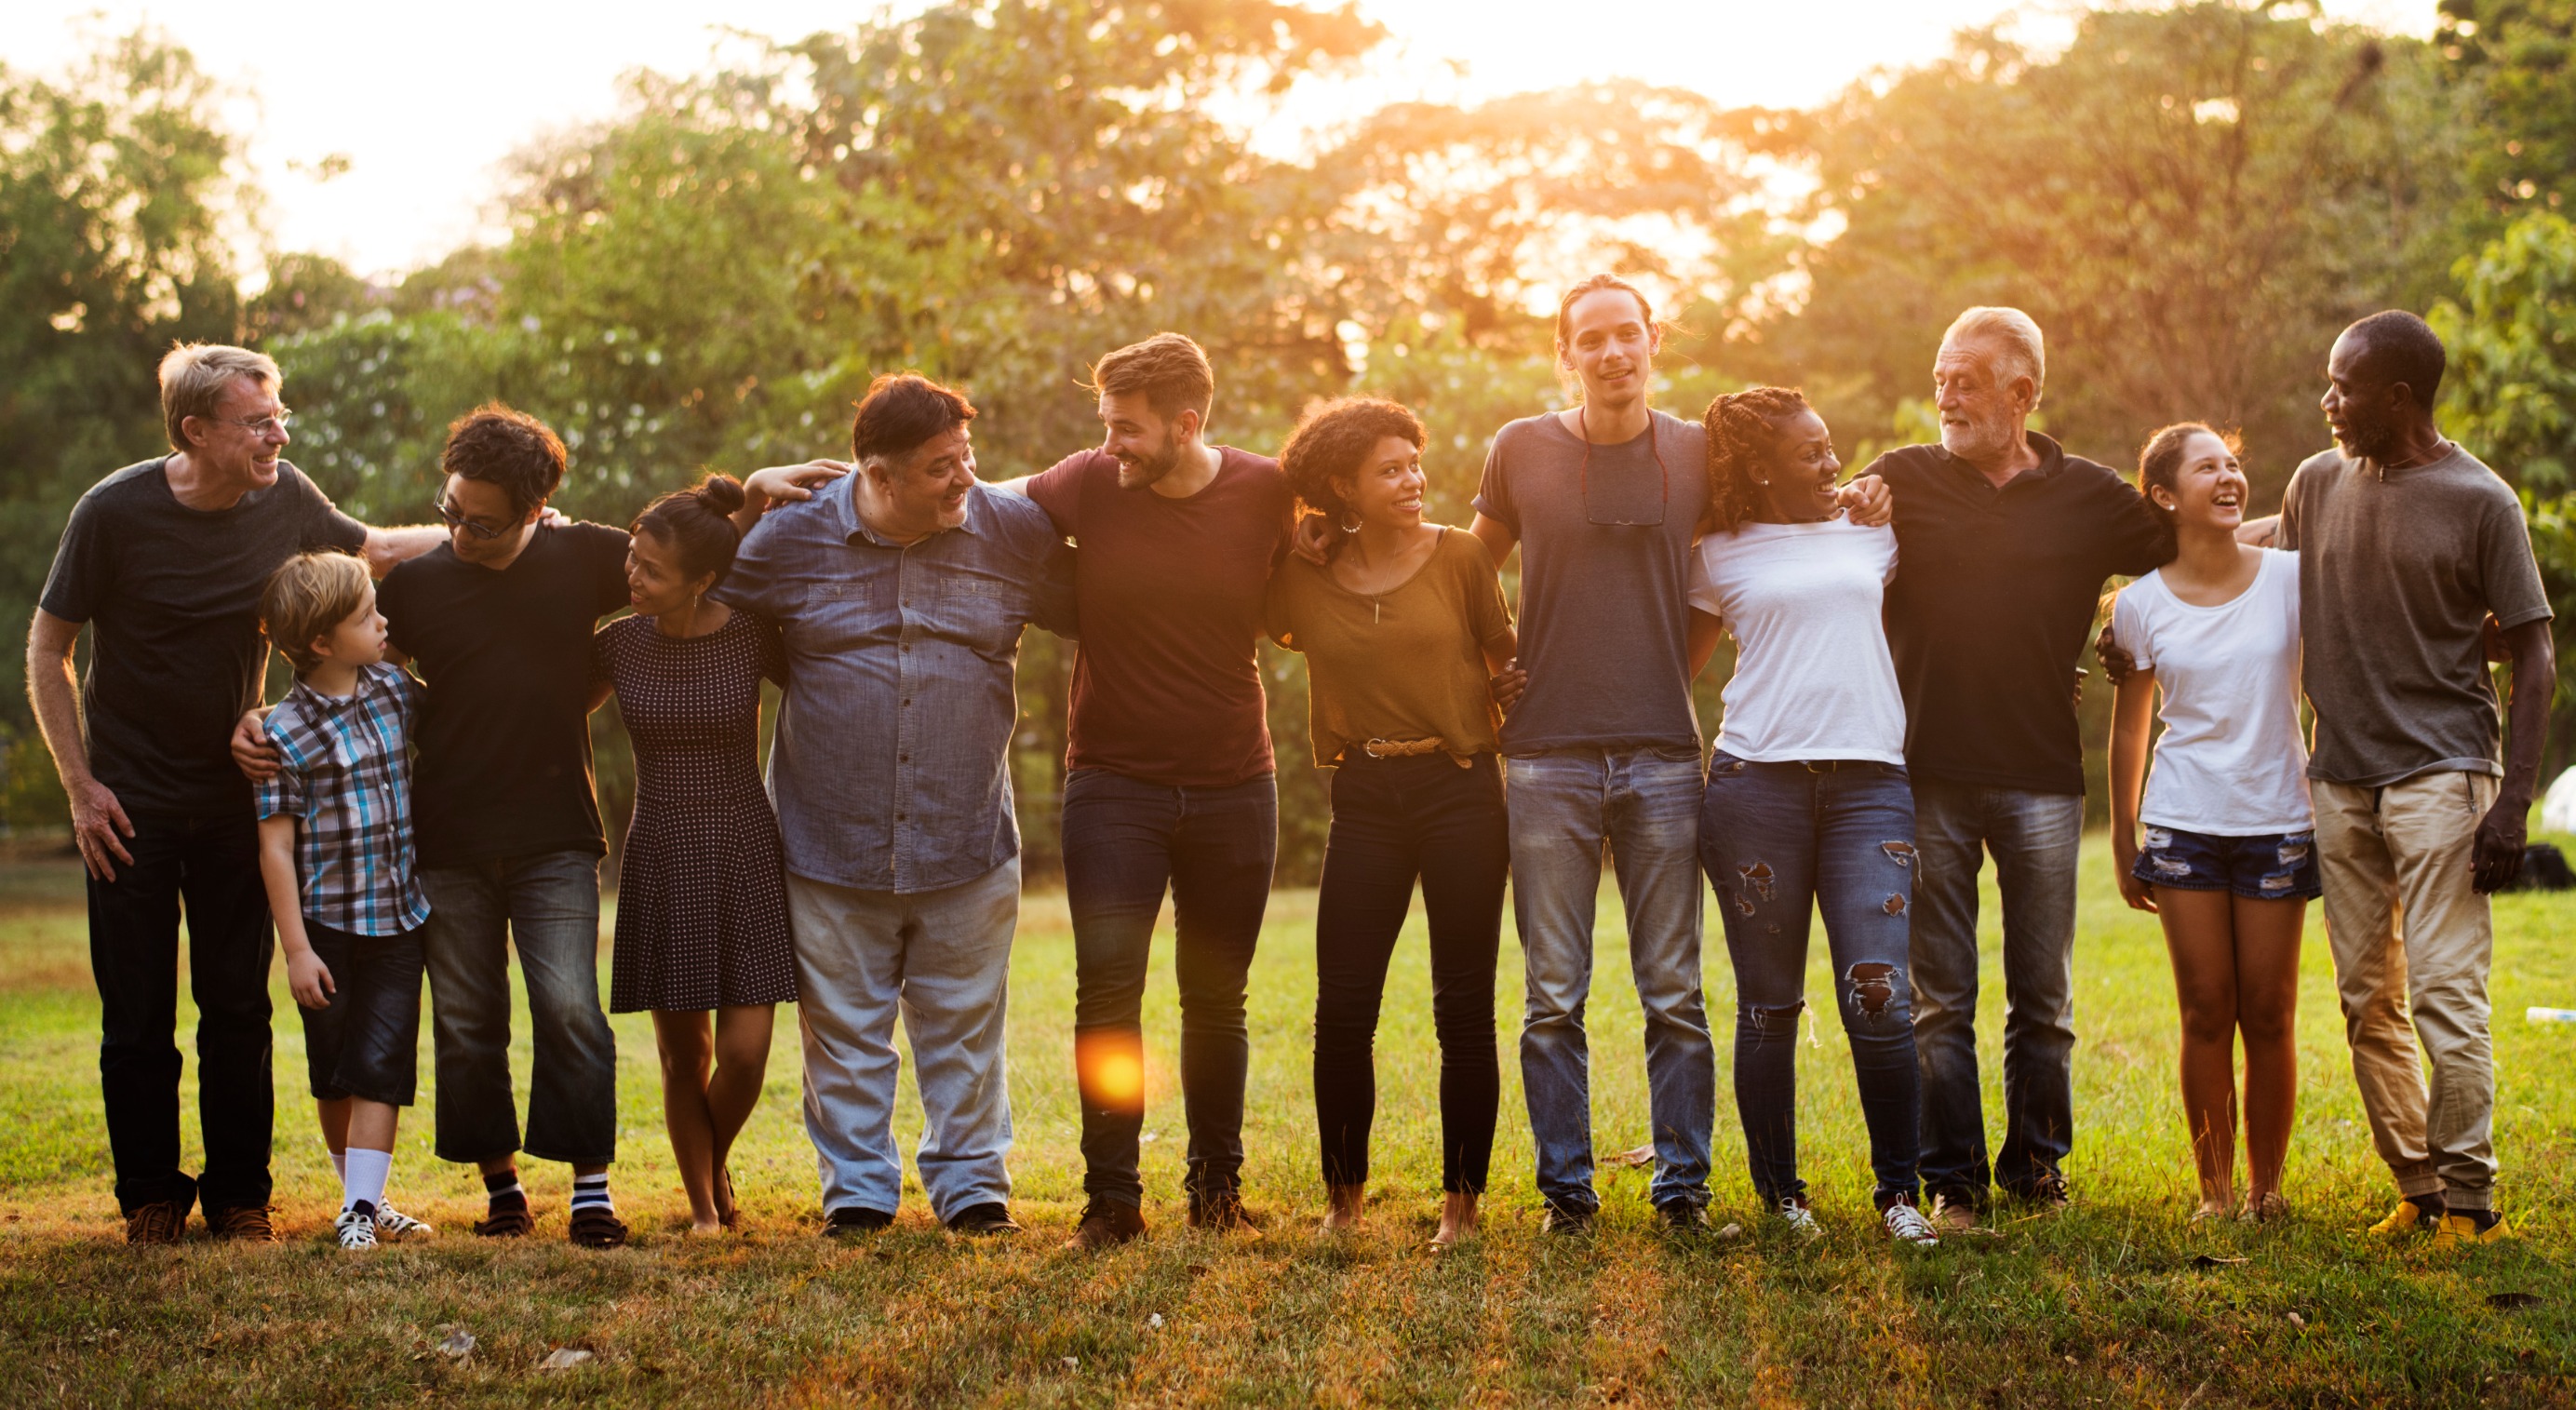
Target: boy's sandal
(594, 1227)
(506, 1224)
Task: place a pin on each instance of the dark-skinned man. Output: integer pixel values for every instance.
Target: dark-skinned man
(2407, 546)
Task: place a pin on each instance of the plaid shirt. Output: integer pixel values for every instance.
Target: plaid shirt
(345, 771)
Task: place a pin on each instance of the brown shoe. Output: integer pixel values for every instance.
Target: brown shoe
(160, 1222)
(512, 1223)
(1106, 1224)
(1223, 1210)
(1953, 1215)
(246, 1224)
(594, 1227)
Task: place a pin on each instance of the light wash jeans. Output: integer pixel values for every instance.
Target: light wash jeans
(943, 959)
(2033, 838)
(1644, 803)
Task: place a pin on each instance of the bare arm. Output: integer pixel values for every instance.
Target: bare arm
(774, 485)
(1502, 651)
(1019, 486)
(306, 976)
(1705, 631)
(2132, 706)
(98, 820)
(2260, 532)
(388, 548)
(1496, 536)
(2498, 850)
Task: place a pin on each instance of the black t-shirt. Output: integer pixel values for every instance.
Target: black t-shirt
(171, 596)
(505, 733)
(1993, 602)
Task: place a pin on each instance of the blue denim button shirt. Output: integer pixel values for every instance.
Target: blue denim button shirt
(891, 769)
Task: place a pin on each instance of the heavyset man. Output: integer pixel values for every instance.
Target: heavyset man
(902, 590)
(164, 561)
(2003, 543)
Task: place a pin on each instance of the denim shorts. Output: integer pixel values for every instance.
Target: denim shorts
(366, 1043)
(2276, 866)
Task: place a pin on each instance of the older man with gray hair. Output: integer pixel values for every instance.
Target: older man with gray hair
(2003, 543)
(163, 561)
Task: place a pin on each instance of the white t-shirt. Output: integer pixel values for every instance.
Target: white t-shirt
(1813, 679)
(2231, 762)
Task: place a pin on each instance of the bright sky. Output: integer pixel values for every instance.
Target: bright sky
(425, 100)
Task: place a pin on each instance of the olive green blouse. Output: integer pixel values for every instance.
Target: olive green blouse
(1407, 663)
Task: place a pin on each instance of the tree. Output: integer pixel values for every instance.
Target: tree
(2517, 58)
(117, 185)
(2191, 202)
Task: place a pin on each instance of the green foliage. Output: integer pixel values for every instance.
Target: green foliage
(2190, 201)
(2508, 397)
(2511, 391)
(2517, 59)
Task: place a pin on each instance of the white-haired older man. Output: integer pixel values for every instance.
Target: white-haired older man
(164, 561)
(2003, 541)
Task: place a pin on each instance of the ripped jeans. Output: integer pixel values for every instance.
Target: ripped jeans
(1778, 840)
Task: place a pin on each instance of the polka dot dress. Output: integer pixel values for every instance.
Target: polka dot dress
(701, 891)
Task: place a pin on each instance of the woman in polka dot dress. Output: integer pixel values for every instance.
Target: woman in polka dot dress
(701, 891)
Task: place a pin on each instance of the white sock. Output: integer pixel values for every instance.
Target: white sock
(364, 1185)
(340, 1165)
(589, 1190)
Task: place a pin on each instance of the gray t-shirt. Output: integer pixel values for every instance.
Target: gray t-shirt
(2398, 571)
(1605, 568)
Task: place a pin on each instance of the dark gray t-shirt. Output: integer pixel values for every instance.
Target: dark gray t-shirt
(1605, 568)
(171, 595)
(2398, 571)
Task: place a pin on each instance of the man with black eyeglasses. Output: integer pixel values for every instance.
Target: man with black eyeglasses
(497, 620)
(163, 561)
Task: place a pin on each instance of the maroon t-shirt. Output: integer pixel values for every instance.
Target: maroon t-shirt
(1167, 680)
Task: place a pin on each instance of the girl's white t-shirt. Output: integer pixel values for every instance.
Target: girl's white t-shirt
(2231, 762)
(1813, 679)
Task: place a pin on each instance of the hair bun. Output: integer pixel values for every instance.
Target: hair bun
(720, 493)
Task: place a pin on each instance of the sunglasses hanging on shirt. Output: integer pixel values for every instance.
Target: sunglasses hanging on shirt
(1621, 500)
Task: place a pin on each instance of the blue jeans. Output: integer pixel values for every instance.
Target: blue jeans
(1125, 842)
(1645, 804)
(2033, 838)
(943, 959)
(548, 906)
(1780, 840)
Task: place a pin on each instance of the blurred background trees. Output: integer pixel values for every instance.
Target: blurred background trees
(2191, 200)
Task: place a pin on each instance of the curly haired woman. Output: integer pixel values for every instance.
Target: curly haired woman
(1403, 628)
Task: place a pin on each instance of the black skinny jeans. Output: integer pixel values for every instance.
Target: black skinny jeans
(1396, 820)
(212, 866)
(1127, 842)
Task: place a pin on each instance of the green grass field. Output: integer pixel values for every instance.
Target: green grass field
(2114, 1302)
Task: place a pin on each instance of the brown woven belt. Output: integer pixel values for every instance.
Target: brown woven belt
(1401, 748)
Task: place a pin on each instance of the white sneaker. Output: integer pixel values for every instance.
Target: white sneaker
(355, 1230)
(1908, 1227)
(392, 1224)
(1799, 1219)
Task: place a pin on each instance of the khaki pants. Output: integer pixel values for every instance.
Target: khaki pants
(2395, 863)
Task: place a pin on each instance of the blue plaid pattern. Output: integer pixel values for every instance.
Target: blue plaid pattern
(345, 772)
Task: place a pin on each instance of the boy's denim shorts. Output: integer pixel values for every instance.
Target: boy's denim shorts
(366, 1043)
(2278, 866)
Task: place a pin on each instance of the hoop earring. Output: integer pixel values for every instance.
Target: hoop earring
(1348, 526)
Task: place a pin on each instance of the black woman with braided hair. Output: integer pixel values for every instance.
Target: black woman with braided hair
(1807, 804)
